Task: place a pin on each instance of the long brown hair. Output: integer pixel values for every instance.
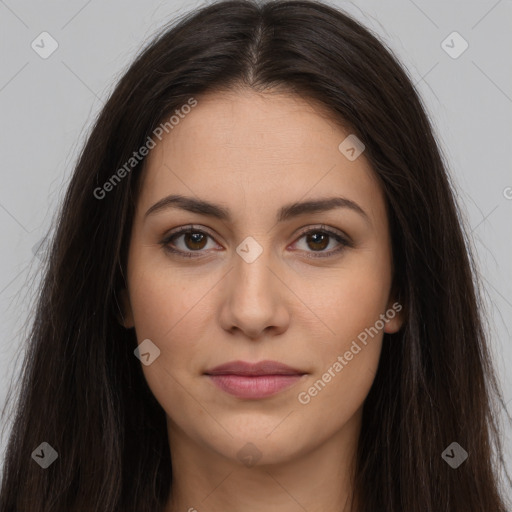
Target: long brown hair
(83, 391)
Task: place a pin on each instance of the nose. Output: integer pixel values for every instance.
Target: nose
(255, 298)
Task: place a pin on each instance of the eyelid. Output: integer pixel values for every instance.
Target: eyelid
(323, 227)
(188, 228)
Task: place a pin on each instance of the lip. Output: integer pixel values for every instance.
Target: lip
(254, 380)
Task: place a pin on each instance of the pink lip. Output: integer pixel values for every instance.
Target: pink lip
(259, 380)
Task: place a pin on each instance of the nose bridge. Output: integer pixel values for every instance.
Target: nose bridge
(252, 275)
(252, 300)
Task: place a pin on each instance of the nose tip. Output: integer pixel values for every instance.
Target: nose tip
(252, 303)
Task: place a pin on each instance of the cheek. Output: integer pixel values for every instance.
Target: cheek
(333, 397)
(350, 305)
(172, 316)
(347, 300)
(346, 361)
(164, 303)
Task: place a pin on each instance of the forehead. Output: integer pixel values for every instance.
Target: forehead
(243, 147)
(271, 125)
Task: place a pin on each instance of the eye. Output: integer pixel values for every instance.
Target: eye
(194, 240)
(318, 239)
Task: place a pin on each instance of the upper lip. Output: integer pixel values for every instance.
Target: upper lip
(259, 368)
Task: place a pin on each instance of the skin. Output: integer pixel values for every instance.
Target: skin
(254, 153)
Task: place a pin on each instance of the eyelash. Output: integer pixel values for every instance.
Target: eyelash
(344, 242)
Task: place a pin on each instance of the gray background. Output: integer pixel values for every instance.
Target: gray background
(47, 106)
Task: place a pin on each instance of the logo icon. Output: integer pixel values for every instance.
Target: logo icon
(147, 352)
(351, 147)
(44, 455)
(249, 250)
(454, 45)
(249, 455)
(454, 455)
(44, 45)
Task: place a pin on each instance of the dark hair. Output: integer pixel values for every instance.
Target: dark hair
(84, 392)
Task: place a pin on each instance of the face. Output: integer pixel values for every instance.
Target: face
(259, 277)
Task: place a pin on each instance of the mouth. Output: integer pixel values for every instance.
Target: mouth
(254, 380)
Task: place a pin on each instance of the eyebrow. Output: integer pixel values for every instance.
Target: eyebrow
(287, 212)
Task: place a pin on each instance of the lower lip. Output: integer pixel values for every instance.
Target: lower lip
(254, 386)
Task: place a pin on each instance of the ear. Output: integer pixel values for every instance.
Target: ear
(126, 319)
(395, 317)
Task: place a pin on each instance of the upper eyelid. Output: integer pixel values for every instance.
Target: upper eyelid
(322, 227)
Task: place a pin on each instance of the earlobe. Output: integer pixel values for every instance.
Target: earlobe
(393, 326)
(126, 319)
(395, 315)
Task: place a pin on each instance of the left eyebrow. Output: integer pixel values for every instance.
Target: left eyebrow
(285, 213)
(320, 205)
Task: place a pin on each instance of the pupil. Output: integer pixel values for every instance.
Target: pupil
(314, 239)
(196, 239)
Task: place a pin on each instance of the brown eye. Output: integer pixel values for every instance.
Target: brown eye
(191, 242)
(317, 240)
(186, 241)
(194, 241)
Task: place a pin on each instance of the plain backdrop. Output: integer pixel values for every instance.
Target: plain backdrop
(47, 106)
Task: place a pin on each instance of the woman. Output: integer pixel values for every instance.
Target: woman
(259, 294)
